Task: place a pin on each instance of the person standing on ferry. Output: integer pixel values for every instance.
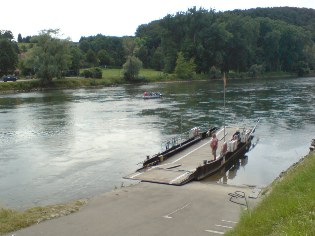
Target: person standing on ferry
(214, 145)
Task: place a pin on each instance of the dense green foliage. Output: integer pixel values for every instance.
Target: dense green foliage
(92, 73)
(103, 46)
(8, 53)
(230, 41)
(303, 17)
(290, 207)
(49, 57)
(184, 69)
(132, 68)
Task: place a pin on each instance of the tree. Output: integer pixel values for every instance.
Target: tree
(130, 46)
(184, 69)
(49, 57)
(103, 57)
(241, 47)
(20, 40)
(112, 45)
(6, 34)
(91, 58)
(8, 53)
(77, 59)
(157, 59)
(132, 67)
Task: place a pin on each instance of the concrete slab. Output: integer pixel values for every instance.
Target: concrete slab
(151, 209)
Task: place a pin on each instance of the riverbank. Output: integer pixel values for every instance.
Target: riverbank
(113, 77)
(11, 220)
(288, 205)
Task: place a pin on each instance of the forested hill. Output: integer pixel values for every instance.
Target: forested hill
(265, 39)
(240, 42)
(304, 17)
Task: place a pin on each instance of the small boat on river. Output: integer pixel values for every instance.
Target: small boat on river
(190, 158)
(151, 95)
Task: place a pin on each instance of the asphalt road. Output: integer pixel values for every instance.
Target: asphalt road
(153, 209)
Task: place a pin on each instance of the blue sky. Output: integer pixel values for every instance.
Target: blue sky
(77, 18)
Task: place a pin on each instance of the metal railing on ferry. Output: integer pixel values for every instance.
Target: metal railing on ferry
(180, 138)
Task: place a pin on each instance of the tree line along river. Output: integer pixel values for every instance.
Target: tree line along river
(63, 145)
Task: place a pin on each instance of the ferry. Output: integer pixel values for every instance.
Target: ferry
(187, 159)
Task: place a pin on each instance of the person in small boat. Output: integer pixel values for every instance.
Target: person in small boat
(214, 145)
(145, 93)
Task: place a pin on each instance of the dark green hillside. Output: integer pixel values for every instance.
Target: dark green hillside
(304, 17)
(253, 41)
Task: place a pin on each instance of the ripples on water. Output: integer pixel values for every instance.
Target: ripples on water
(63, 145)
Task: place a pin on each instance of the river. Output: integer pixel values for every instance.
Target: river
(61, 145)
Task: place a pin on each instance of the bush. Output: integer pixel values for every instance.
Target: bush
(256, 70)
(95, 73)
(302, 68)
(184, 69)
(132, 68)
(214, 73)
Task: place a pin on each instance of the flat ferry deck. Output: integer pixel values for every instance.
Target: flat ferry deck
(178, 168)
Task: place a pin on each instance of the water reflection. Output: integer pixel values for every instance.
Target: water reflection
(229, 172)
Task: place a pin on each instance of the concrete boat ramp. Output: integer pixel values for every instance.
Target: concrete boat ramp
(197, 208)
(181, 167)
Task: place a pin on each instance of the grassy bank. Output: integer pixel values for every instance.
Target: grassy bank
(113, 77)
(288, 207)
(35, 84)
(11, 220)
(109, 77)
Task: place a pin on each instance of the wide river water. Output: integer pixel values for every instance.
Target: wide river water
(63, 145)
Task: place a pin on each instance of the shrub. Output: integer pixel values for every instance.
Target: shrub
(95, 73)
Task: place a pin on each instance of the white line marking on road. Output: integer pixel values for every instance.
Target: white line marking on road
(220, 131)
(173, 180)
(234, 222)
(135, 175)
(215, 232)
(224, 226)
(168, 215)
(191, 152)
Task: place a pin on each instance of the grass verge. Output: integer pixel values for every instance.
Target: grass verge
(114, 77)
(288, 207)
(12, 220)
